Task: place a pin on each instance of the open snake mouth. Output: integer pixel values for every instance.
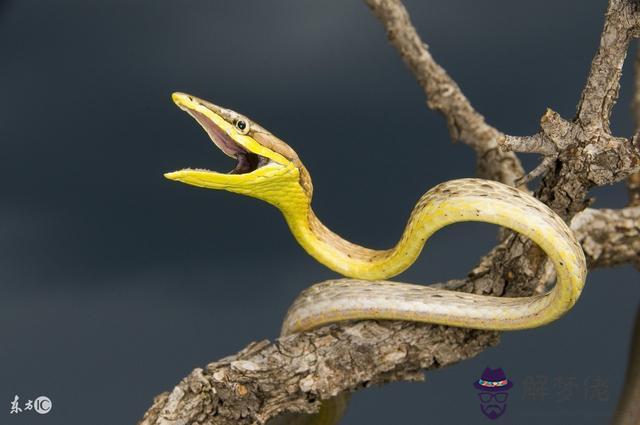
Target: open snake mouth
(247, 161)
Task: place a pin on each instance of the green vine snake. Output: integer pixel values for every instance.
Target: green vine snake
(268, 169)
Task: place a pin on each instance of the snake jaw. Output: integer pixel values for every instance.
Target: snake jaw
(266, 167)
(223, 134)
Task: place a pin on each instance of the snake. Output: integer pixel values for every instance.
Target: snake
(269, 169)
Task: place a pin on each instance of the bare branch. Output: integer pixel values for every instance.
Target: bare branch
(634, 189)
(628, 410)
(609, 237)
(445, 96)
(529, 144)
(295, 372)
(633, 183)
(544, 167)
(622, 23)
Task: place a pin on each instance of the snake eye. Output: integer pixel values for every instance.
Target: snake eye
(242, 126)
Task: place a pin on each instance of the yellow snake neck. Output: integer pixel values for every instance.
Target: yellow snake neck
(350, 259)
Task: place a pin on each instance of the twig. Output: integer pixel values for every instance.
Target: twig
(633, 182)
(542, 168)
(529, 144)
(628, 410)
(601, 91)
(444, 95)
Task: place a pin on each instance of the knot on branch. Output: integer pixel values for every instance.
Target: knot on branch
(589, 155)
(556, 131)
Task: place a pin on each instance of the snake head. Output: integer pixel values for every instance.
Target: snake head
(267, 168)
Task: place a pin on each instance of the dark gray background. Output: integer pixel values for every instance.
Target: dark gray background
(115, 282)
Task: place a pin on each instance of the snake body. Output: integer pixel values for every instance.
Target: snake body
(270, 170)
(450, 202)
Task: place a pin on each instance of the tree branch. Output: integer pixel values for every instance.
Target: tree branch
(444, 95)
(633, 183)
(298, 371)
(609, 237)
(601, 91)
(295, 373)
(628, 410)
(634, 189)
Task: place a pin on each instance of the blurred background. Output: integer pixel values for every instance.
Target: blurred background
(115, 283)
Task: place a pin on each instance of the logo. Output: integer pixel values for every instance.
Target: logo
(493, 387)
(41, 405)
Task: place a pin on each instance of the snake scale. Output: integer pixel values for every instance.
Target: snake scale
(268, 169)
